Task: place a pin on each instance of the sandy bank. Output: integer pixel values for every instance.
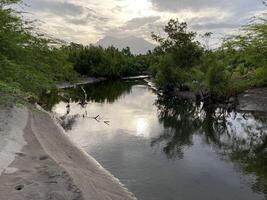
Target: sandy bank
(45, 164)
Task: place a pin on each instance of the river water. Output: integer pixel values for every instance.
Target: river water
(166, 149)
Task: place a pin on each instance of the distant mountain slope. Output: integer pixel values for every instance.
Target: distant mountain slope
(137, 45)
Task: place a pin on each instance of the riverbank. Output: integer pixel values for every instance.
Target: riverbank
(39, 161)
(253, 100)
(81, 81)
(88, 80)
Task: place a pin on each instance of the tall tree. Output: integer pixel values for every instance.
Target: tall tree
(181, 43)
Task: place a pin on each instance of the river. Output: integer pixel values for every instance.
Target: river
(166, 149)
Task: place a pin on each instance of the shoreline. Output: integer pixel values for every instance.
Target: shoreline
(47, 164)
(82, 81)
(89, 80)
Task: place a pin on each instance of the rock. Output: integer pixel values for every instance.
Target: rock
(253, 100)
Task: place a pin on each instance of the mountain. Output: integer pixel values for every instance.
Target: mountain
(137, 45)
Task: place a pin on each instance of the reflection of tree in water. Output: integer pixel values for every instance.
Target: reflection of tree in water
(182, 119)
(242, 138)
(250, 153)
(253, 160)
(180, 123)
(106, 91)
(102, 92)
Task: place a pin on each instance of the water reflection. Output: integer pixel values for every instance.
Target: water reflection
(121, 111)
(105, 91)
(165, 148)
(141, 127)
(180, 121)
(102, 92)
(239, 137)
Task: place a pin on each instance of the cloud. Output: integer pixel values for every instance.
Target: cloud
(88, 18)
(216, 26)
(117, 9)
(139, 26)
(86, 21)
(139, 22)
(220, 17)
(56, 7)
(177, 5)
(219, 14)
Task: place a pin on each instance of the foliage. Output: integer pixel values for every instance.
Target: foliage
(178, 52)
(181, 43)
(31, 64)
(28, 62)
(168, 75)
(216, 79)
(110, 62)
(238, 64)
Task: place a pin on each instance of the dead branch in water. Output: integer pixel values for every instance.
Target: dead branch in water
(106, 122)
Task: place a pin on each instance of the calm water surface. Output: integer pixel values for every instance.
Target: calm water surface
(165, 149)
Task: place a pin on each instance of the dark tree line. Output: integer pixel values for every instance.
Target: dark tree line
(110, 62)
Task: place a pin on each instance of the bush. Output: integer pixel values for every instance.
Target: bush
(217, 80)
(109, 62)
(28, 63)
(168, 75)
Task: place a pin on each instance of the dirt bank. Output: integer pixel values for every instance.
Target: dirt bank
(38, 161)
(253, 100)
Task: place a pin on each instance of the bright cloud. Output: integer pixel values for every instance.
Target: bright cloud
(87, 21)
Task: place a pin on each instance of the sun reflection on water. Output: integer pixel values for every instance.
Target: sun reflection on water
(142, 127)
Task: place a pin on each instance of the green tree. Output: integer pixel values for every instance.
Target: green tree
(179, 51)
(29, 63)
(181, 43)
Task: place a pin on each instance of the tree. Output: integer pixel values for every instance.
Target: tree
(178, 52)
(28, 62)
(180, 43)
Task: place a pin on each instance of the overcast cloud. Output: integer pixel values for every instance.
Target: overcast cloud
(87, 21)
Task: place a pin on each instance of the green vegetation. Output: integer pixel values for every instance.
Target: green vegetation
(31, 63)
(28, 62)
(109, 62)
(238, 64)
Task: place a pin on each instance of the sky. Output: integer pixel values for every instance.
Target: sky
(87, 21)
